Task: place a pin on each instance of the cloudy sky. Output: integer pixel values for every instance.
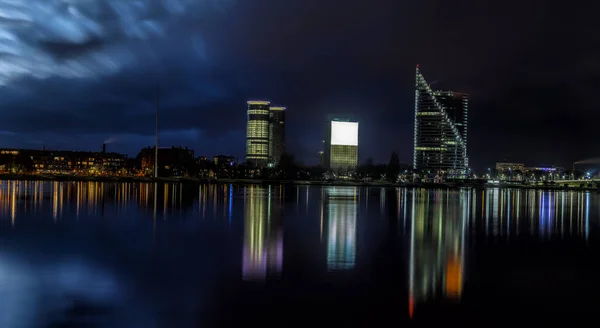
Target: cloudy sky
(76, 73)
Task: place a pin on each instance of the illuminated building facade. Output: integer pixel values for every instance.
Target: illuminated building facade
(276, 134)
(257, 133)
(503, 167)
(440, 135)
(62, 161)
(224, 161)
(343, 145)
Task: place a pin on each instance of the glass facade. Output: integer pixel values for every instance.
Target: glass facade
(257, 133)
(276, 134)
(440, 135)
(343, 145)
(343, 157)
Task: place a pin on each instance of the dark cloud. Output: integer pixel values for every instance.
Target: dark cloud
(90, 73)
(65, 50)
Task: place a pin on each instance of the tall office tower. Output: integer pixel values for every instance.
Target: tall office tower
(440, 143)
(343, 145)
(276, 134)
(257, 133)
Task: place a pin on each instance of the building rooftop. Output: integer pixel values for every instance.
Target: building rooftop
(258, 102)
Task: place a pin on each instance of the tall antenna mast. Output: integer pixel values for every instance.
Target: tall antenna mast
(156, 145)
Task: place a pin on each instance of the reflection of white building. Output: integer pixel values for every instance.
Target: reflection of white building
(436, 263)
(343, 145)
(342, 207)
(263, 236)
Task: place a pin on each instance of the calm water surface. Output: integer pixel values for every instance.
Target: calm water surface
(80, 254)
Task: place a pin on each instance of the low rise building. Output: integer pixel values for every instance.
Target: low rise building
(62, 161)
(504, 166)
(172, 161)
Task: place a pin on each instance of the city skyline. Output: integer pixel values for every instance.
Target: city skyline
(71, 86)
(219, 163)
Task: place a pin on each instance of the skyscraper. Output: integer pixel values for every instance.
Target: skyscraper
(276, 134)
(440, 143)
(343, 145)
(257, 133)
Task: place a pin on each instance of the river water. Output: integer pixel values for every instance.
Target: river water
(79, 254)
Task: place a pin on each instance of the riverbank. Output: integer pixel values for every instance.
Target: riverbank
(381, 184)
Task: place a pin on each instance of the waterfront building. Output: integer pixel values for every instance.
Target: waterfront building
(504, 167)
(62, 161)
(257, 133)
(172, 161)
(440, 130)
(343, 145)
(276, 134)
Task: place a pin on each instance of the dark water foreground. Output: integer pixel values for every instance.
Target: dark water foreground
(90, 254)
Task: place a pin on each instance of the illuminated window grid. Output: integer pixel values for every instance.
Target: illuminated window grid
(257, 132)
(343, 157)
(440, 129)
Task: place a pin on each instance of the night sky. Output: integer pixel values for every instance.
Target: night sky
(75, 75)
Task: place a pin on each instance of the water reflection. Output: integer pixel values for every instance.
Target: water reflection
(163, 230)
(545, 214)
(441, 220)
(341, 205)
(165, 200)
(263, 235)
(437, 244)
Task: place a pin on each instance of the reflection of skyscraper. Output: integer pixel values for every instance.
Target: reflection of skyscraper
(440, 135)
(342, 207)
(263, 238)
(436, 262)
(275, 239)
(257, 133)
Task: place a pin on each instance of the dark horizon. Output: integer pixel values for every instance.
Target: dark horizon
(89, 76)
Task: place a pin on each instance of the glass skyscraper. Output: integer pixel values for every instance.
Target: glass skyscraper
(257, 133)
(276, 134)
(440, 135)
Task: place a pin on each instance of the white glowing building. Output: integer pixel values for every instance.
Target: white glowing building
(343, 145)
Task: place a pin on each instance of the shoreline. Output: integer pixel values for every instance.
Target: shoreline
(186, 180)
